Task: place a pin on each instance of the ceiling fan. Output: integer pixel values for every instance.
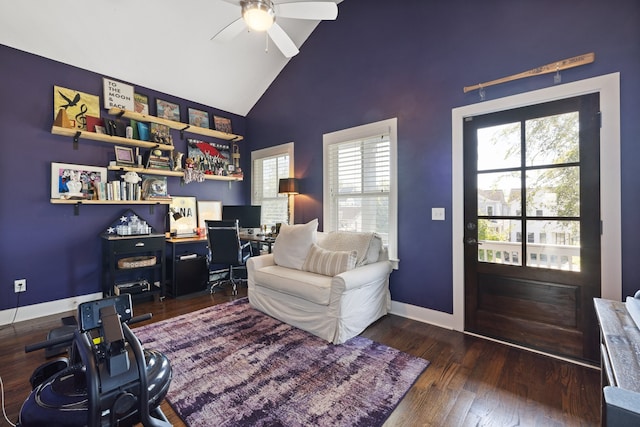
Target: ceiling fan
(260, 15)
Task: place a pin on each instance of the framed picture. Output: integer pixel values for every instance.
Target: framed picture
(208, 210)
(167, 110)
(78, 105)
(75, 181)
(140, 103)
(198, 118)
(124, 156)
(183, 215)
(222, 124)
(154, 187)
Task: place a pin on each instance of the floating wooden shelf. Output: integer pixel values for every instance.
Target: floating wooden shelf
(182, 127)
(75, 134)
(109, 202)
(170, 173)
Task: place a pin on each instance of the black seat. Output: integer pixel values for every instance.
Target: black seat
(226, 249)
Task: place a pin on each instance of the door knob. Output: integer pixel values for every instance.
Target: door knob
(471, 241)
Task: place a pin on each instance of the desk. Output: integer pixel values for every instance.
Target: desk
(261, 239)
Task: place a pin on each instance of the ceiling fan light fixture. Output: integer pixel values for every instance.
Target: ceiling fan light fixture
(259, 15)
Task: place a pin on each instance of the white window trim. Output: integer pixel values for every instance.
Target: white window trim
(610, 200)
(276, 150)
(389, 126)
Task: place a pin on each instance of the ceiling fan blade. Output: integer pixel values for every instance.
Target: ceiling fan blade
(230, 31)
(315, 10)
(283, 41)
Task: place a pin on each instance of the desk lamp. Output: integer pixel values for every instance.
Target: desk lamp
(288, 186)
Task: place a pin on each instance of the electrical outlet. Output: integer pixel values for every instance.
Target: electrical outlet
(20, 285)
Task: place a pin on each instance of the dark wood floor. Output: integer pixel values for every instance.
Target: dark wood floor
(470, 382)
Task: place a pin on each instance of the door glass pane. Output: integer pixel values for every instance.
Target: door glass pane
(556, 245)
(553, 139)
(497, 241)
(499, 193)
(499, 147)
(553, 192)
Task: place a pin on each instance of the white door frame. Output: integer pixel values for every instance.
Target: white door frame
(610, 200)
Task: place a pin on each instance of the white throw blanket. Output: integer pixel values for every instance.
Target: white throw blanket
(367, 245)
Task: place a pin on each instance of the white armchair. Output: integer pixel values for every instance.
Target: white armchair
(334, 308)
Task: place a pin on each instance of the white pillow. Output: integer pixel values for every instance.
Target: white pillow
(329, 263)
(293, 243)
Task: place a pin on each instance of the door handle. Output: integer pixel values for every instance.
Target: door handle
(471, 241)
(140, 244)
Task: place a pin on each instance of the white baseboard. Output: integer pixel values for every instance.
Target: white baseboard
(424, 315)
(28, 312)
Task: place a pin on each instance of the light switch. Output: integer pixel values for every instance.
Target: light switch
(437, 214)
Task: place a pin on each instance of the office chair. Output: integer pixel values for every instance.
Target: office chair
(225, 248)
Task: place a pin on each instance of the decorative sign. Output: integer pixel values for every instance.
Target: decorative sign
(78, 106)
(117, 94)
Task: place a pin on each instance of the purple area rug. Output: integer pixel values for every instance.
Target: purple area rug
(235, 366)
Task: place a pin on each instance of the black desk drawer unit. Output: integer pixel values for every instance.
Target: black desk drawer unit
(115, 248)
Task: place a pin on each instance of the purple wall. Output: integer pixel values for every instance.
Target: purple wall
(57, 252)
(410, 59)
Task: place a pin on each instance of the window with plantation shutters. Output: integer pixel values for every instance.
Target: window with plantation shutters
(268, 167)
(360, 190)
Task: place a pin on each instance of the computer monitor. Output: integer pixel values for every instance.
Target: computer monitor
(248, 216)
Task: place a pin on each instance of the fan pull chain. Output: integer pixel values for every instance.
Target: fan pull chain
(266, 43)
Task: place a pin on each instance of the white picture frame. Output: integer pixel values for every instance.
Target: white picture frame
(84, 177)
(209, 210)
(187, 207)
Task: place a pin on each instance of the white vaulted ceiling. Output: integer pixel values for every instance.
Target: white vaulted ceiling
(164, 45)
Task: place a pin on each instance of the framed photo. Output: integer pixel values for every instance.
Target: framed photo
(154, 187)
(222, 124)
(198, 118)
(208, 210)
(140, 103)
(101, 129)
(183, 215)
(167, 110)
(124, 156)
(78, 105)
(75, 181)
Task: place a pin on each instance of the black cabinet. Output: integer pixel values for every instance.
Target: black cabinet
(127, 265)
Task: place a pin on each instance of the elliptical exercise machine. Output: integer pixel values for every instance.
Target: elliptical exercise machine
(108, 379)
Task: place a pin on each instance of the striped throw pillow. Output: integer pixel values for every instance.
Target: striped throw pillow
(329, 263)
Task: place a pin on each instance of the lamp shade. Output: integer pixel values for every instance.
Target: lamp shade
(288, 186)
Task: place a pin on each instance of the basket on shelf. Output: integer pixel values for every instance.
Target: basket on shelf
(137, 261)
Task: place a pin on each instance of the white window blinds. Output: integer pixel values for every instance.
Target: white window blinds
(360, 177)
(268, 166)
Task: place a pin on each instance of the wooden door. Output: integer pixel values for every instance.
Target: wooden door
(532, 225)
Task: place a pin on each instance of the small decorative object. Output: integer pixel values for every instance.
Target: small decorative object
(143, 131)
(140, 103)
(222, 124)
(154, 187)
(128, 224)
(131, 178)
(101, 129)
(117, 94)
(124, 156)
(198, 118)
(62, 120)
(187, 221)
(168, 110)
(77, 105)
(70, 181)
(177, 161)
(92, 122)
(161, 134)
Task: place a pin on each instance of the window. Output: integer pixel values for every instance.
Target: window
(267, 167)
(360, 182)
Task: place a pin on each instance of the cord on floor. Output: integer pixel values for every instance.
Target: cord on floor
(2, 396)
